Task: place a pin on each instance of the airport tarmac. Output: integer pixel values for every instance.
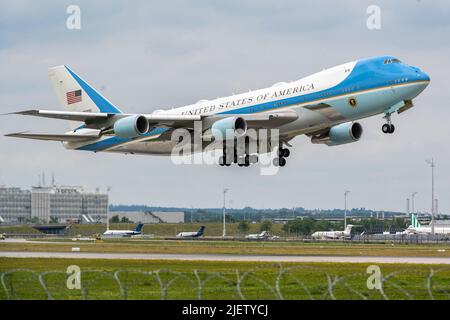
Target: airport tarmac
(225, 257)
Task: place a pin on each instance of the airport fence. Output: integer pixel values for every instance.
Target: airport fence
(404, 238)
(269, 282)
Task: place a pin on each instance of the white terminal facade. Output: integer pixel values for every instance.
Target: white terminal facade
(52, 204)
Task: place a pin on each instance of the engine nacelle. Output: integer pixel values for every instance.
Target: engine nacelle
(342, 133)
(221, 129)
(131, 126)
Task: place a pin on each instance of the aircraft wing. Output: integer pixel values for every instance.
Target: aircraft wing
(91, 117)
(54, 137)
(66, 115)
(257, 120)
(270, 120)
(104, 122)
(94, 119)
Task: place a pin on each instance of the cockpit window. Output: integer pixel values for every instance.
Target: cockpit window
(394, 60)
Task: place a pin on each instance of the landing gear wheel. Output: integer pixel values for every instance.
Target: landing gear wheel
(222, 161)
(286, 153)
(392, 128)
(279, 162)
(386, 128)
(276, 162)
(247, 160)
(253, 158)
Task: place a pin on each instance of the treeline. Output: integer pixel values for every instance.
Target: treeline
(252, 214)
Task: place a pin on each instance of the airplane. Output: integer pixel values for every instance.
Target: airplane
(191, 235)
(417, 228)
(125, 233)
(261, 236)
(324, 106)
(333, 234)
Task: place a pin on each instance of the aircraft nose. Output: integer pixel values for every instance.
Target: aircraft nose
(423, 76)
(420, 75)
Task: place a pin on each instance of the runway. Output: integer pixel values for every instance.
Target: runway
(225, 257)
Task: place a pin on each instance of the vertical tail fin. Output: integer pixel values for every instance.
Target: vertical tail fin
(138, 227)
(74, 94)
(201, 231)
(414, 222)
(348, 229)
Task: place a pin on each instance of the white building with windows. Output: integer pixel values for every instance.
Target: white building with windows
(51, 204)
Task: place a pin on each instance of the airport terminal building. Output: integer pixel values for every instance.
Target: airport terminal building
(59, 204)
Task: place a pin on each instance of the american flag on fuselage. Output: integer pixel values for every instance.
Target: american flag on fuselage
(73, 96)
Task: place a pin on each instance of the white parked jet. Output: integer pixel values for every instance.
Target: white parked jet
(323, 106)
(191, 235)
(124, 233)
(417, 228)
(323, 235)
(258, 236)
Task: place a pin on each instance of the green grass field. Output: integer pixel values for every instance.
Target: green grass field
(130, 279)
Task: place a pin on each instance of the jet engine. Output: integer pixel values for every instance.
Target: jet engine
(340, 134)
(131, 126)
(229, 128)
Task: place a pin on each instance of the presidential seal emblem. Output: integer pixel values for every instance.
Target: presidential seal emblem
(352, 102)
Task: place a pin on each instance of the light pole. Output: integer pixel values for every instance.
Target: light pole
(345, 206)
(412, 201)
(108, 189)
(224, 230)
(432, 165)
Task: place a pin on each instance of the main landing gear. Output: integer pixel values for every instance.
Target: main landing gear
(388, 127)
(247, 159)
(282, 154)
(243, 161)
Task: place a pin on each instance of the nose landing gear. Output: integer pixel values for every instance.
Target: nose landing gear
(388, 127)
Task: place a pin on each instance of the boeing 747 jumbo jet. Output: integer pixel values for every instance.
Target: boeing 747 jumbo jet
(323, 106)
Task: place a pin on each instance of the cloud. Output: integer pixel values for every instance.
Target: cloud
(152, 55)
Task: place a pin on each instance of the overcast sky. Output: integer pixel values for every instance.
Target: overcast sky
(145, 56)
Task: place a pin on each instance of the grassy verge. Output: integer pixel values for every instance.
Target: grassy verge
(130, 279)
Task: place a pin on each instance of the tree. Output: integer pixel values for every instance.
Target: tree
(114, 219)
(125, 220)
(265, 226)
(243, 226)
(54, 219)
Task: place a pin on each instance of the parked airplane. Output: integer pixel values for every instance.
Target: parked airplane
(125, 233)
(417, 228)
(323, 235)
(197, 234)
(323, 106)
(258, 236)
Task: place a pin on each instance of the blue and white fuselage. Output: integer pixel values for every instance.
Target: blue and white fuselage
(315, 104)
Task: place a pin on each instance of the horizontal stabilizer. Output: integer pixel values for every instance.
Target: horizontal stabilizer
(55, 137)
